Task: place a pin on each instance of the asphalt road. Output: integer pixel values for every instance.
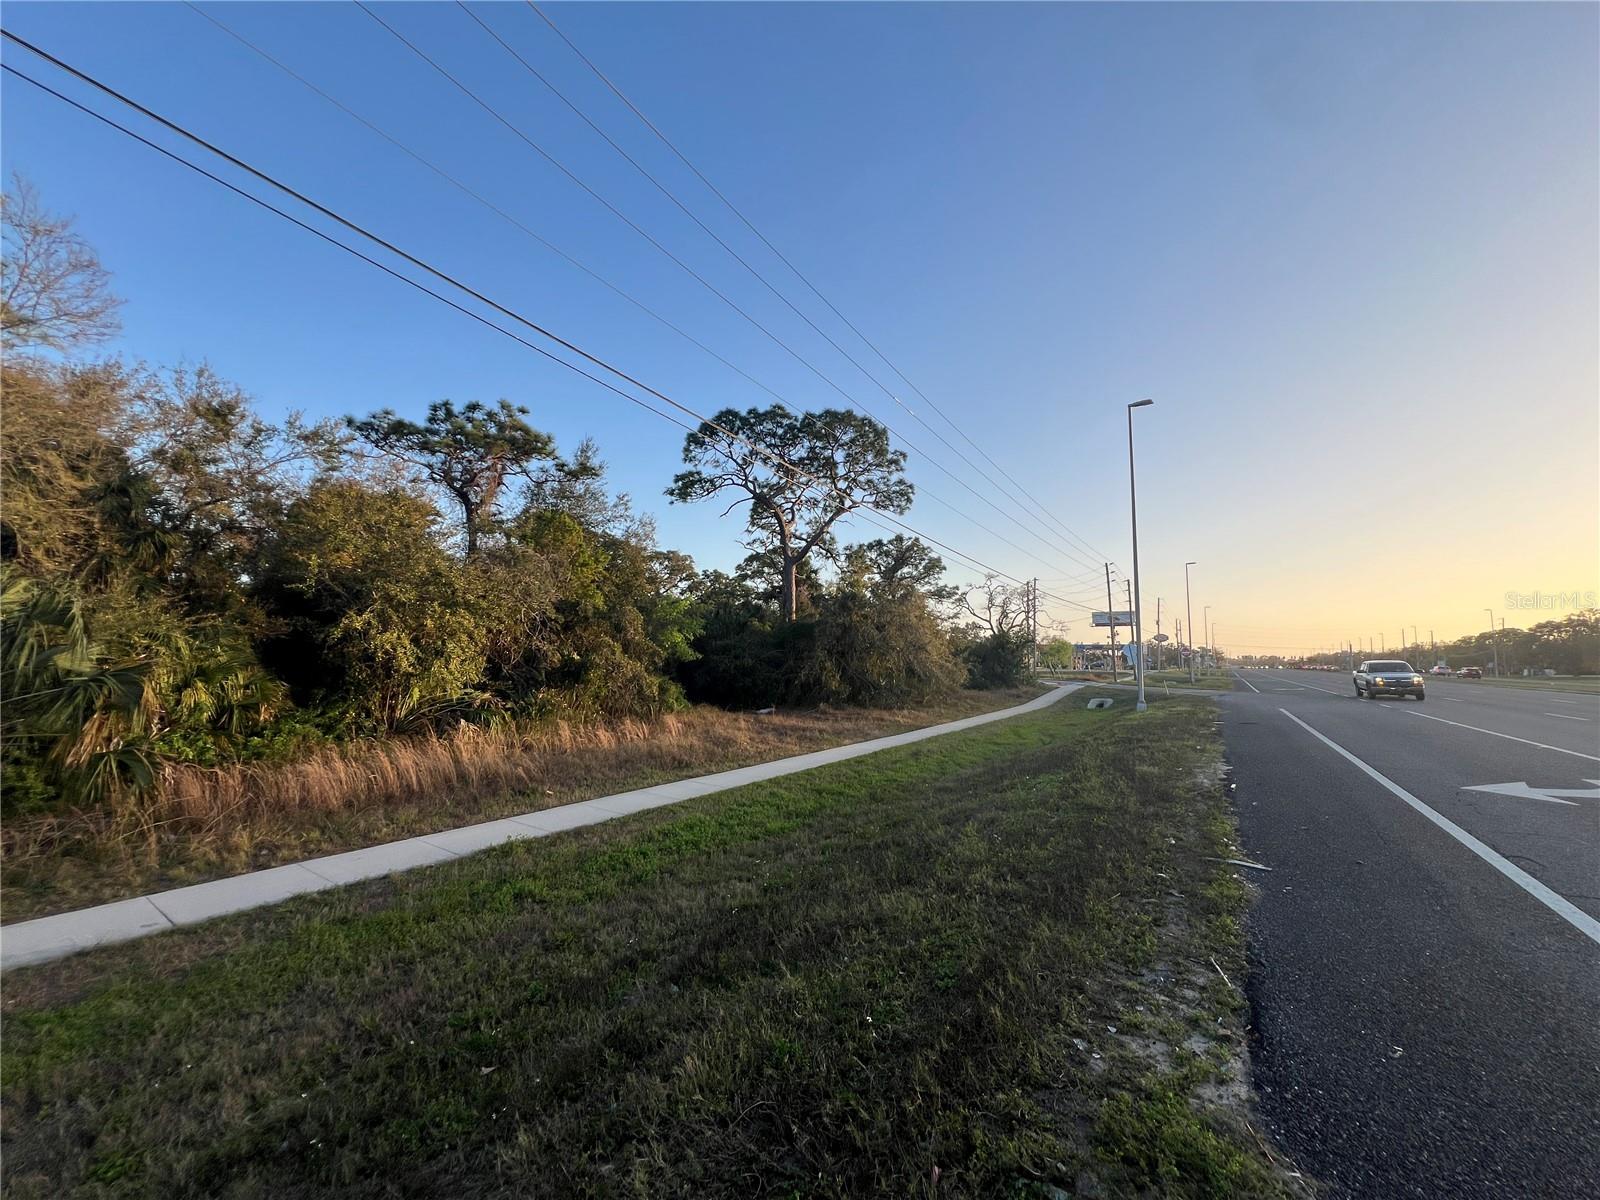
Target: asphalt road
(1425, 959)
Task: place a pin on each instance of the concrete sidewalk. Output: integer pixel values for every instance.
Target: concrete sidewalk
(47, 938)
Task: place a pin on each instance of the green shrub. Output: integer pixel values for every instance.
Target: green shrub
(996, 660)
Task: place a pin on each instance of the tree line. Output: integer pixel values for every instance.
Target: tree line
(1568, 645)
(185, 580)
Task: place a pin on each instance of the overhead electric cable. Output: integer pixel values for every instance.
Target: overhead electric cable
(699, 278)
(564, 255)
(393, 249)
(732, 252)
(666, 141)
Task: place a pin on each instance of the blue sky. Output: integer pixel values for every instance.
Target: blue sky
(1350, 250)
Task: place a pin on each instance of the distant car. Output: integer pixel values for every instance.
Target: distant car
(1388, 677)
(1439, 670)
(1470, 673)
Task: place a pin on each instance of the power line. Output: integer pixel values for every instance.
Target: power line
(666, 141)
(699, 278)
(429, 291)
(1087, 580)
(736, 256)
(481, 199)
(270, 207)
(453, 282)
(442, 173)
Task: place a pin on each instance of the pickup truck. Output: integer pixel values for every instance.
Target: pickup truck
(1388, 677)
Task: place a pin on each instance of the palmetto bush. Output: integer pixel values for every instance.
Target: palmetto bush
(92, 725)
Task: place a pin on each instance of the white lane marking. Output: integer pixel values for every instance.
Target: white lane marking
(1507, 736)
(1554, 901)
(1564, 717)
(1554, 795)
(1553, 700)
(1247, 683)
(1452, 699)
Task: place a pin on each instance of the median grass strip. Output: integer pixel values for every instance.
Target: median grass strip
(1205, 681)
(1587, 685)
(1214, 681)
(976, 966)
(207, 823)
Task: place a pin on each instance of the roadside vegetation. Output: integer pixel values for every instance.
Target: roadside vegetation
(1205, 681)
(1219, 680)
(989, 964)
(229, 641)
(207, 822)
(1569, 646)
(1588, 685)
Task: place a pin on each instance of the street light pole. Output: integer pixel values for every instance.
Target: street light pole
(1205, 631)
(1133, 511)
(1494, 641)
(1188, 611)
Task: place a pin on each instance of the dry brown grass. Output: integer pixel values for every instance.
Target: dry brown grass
(206, 822)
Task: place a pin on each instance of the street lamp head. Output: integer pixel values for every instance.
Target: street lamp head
(1141, 403)
(1192, 563)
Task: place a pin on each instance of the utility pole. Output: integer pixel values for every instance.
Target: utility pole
(1135, 599)
(1033, 625)
(1494, 641)
(1188, 609)
(1508, 644)
(1205, 632)
(1158, 633)
(1111, 615)
(1133, 641)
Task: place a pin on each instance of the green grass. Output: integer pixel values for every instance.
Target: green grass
(1205, 681)
(894, 976)
(1215, 681)
(1588, 685)
(207, 829)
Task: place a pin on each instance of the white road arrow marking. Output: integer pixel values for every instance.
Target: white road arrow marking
(1523, 792)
